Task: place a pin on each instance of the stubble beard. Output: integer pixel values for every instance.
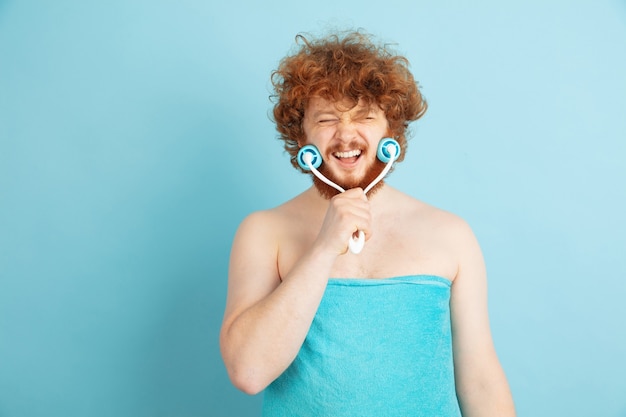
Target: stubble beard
(329, 192)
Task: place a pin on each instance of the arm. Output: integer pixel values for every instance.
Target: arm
(267, 316)
(481, 385)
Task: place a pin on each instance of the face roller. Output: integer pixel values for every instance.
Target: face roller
(309, 158)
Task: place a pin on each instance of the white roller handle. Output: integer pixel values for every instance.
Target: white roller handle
(355, 244)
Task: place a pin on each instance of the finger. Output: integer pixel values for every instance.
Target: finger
(355, 193)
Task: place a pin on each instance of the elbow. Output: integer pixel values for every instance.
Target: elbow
(242, 375)
(246, 381)
(249, 388)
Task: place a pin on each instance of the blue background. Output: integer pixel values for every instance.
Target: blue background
(135, 136)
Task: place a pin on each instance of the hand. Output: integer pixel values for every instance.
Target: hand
(347, 213)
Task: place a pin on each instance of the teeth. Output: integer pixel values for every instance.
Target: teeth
(348, 154)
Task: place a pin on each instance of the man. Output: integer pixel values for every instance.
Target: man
(400, 328)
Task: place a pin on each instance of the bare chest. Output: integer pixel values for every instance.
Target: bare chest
(397, 247)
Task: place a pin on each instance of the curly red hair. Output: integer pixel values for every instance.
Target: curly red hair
(345, 66)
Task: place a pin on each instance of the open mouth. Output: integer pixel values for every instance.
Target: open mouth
(348, 157)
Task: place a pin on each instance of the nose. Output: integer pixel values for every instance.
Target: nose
(346, 130)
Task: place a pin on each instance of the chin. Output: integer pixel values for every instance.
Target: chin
(370, 175)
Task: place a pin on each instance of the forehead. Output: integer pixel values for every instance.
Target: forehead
(318, 104)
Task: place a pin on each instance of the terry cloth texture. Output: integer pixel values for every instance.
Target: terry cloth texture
(377, 347)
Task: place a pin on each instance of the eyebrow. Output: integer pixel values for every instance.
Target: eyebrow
(334, 112)
(323, 113)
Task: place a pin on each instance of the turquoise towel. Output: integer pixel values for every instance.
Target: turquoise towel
(377, 347)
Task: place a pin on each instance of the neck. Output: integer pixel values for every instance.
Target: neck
(375, 195)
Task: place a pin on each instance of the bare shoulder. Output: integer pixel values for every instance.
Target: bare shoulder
(269, 223)
(253, 271)
(452, 228)
(445, 240)
(259, 234)
(259, 223)
(445, 223)
(254, 246)
(274, 238)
